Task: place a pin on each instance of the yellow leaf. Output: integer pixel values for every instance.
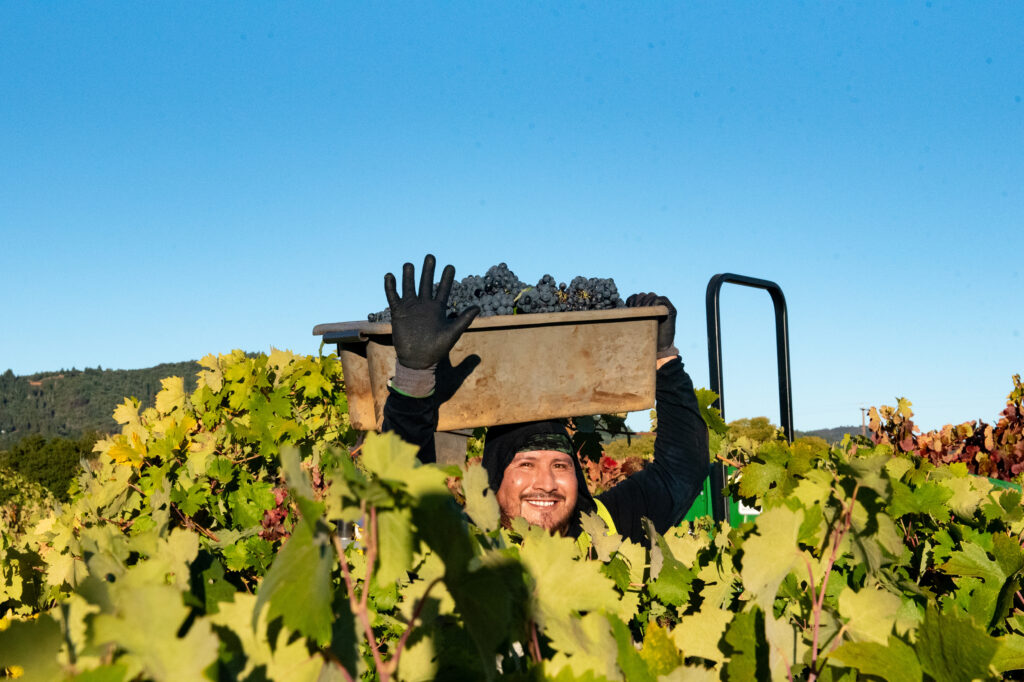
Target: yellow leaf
(127, 412)
(122, 453)
(172, 396)
(213, 377)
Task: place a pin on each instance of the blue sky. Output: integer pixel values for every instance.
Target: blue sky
(178, 179)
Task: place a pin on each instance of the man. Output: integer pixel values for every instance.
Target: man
(531, 467)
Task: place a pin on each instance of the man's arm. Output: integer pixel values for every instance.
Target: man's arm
(423, 335)
(413, 418)
(667, 487)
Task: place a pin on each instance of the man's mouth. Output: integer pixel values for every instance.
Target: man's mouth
(541, 503)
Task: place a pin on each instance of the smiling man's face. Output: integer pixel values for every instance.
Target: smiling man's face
(540, 486)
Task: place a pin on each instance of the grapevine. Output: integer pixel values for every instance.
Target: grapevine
(865, 563)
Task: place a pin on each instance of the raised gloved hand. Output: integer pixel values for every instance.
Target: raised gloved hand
(666, 327)
(422, 333)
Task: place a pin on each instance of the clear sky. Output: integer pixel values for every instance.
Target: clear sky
(182, 178)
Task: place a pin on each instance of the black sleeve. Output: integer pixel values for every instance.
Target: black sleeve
(667, 487)
(414, 420)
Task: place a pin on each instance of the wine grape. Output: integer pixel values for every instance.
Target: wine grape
(501, 292)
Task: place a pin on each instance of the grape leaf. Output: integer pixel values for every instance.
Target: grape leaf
(951, 647)
(153, 643)
(1010, 655)
(33, 645)
(632, 663)
(298, 585)
(746, 647)
(603, 542)
(973, 562)
(870, 613)
(481, 504)
(927, 498)
(394, 541)
(560, 585)
(658, 652)
(105, 673)
(758, 477)
(894, 661)
(286, 658)
(671, 580)
(699, 633)
(769, 556)
(968, 493)
(172, 396)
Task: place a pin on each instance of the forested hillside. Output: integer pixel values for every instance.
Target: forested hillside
(70, 403)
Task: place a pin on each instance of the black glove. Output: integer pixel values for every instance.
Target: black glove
(420, 328)
(666, 327)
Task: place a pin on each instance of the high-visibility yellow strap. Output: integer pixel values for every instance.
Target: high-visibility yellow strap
(606, 516)
(583, 541)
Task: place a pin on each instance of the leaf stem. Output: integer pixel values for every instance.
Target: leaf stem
(359, 606)
(819, 600)
(412, 621)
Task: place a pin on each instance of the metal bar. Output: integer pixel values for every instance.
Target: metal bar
(720, 506)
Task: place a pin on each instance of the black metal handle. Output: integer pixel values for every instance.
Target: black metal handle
(719, 502)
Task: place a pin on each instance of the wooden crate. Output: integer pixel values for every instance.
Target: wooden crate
(514, 368)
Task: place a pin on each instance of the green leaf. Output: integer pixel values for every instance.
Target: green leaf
(297, 479)
(870, 613)
(746, 647)
(249, 502)
(154, 643)
(1010, 655)
(114, 672)
(33, 645)
(394, 540)
(951, 647)
(759, 477)
(700, 633)
(672, 580)
(554, 599)
(298, 585)
(618, 570)
(712, 415)
(658, 652)
(632, 663)
(894, 661)
(769, 556)
(968, 493)
(481, 504)
(927, 498)
(973, 562)
(285, 658)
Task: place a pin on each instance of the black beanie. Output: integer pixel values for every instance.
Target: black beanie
(503, 442)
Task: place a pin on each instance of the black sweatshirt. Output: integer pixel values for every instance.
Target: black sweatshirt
(662, 492)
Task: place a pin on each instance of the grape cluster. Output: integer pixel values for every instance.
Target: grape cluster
(500, 292)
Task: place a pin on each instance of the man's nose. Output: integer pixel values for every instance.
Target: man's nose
(545, 479)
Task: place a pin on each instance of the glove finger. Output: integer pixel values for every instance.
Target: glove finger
(445, 286)
(389, 290)
(408, 283)
(647, 300)
(427, 278)
(462, 321)
(663, 300)
(631, 301)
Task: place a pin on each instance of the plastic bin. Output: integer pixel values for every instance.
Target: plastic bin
(514, 368)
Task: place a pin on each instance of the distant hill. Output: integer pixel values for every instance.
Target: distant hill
(833, 435)
(70, 403)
